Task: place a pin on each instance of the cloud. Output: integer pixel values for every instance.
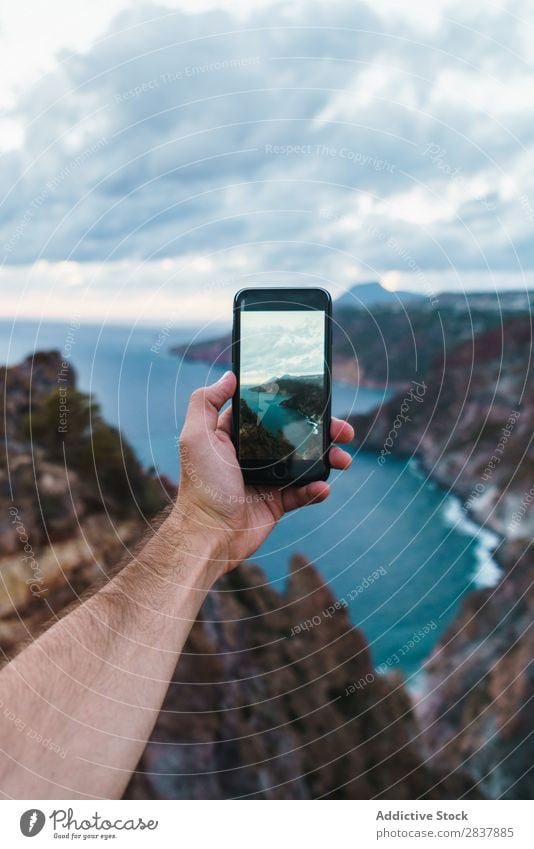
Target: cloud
(298, 141)
(273, 344)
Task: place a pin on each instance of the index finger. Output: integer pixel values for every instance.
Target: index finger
(225, 421)
(341, 431)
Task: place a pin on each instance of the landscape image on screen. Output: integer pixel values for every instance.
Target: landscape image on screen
(282, 385)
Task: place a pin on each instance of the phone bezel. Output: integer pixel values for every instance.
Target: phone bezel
(273, 299)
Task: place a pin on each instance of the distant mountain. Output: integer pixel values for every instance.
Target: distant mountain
(390, 346)
(373, 294)
(310, 378)
(288, 383)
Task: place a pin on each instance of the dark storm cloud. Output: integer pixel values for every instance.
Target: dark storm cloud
(179, 133)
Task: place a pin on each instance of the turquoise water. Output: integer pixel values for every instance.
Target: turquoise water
(386, 520)
(276, 418)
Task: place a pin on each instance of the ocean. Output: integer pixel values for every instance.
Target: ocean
(275, 418)
(394, 547)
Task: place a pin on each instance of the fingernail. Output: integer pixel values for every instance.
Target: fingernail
(224, 376)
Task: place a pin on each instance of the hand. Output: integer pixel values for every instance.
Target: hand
(213, 498)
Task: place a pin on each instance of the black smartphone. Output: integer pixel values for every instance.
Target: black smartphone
(282, 354)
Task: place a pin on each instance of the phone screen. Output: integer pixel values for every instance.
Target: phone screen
(282, 397)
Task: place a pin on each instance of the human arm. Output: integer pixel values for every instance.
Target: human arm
(94, 682)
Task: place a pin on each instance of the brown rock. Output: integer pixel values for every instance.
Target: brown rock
(256, 712)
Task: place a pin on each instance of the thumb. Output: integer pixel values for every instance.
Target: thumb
(205, 403)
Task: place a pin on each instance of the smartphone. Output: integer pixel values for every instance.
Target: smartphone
(282, 355)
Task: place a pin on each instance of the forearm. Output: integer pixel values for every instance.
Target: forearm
(93, 684)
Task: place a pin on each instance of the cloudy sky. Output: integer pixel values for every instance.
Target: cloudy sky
(285, 342)
(157, 157)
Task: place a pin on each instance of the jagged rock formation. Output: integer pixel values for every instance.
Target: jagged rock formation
(389, 344)
(254, 711)
(480, 687)
(472, 426)
(472, 431)
(257, 712)
(73, 497)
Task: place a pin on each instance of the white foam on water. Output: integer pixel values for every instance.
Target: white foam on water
(487, 572)
(416, 684)
(415, 468)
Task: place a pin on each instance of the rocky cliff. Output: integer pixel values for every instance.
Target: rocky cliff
(72, 494)
(390, 344)
(469, 422)
(262, 708)
(477, 707)
(258, 707)
(470, 425)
